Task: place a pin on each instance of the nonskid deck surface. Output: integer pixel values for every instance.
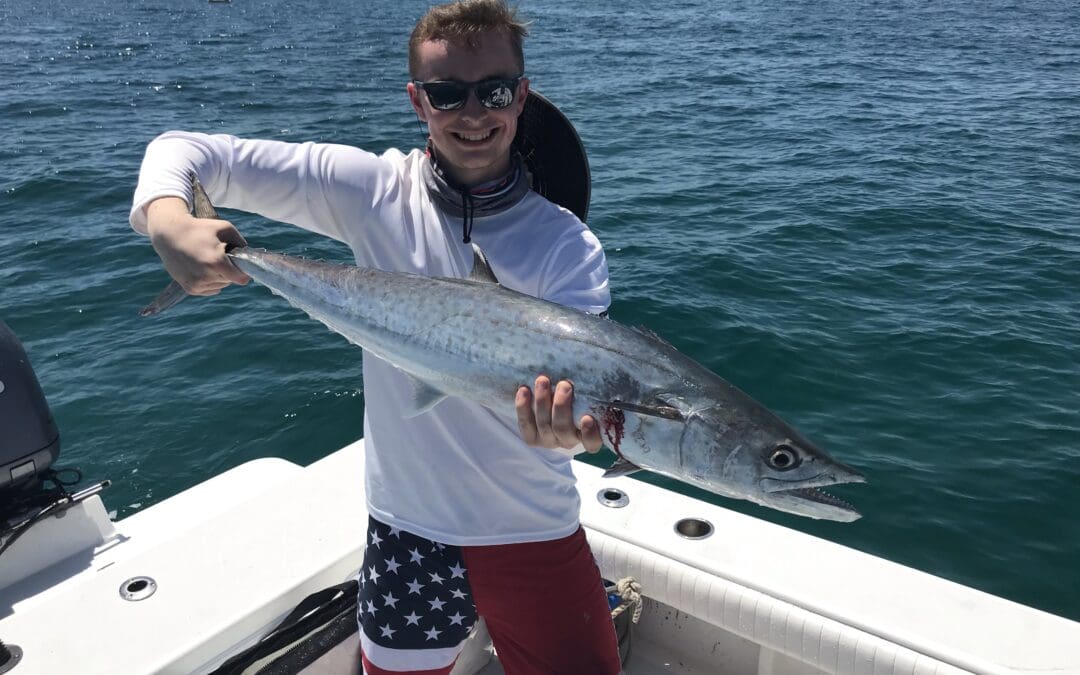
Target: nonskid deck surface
(647, 658)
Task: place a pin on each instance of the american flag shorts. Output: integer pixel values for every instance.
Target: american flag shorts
(415, 606)
(544, 604)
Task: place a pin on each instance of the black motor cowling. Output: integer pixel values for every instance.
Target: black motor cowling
(29, 439)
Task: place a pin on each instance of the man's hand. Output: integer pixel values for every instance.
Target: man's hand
(193, 249)
(546, 418)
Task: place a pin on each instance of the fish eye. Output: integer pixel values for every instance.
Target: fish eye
(783, 457)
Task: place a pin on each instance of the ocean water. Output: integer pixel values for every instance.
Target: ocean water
(866, 215)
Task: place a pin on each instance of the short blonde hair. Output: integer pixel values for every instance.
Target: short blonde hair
(462, 22)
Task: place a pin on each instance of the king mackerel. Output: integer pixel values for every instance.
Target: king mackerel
(658, 409)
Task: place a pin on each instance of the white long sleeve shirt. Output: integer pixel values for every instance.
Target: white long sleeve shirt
(457, 474)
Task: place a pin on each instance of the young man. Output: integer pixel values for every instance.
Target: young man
(469, 515)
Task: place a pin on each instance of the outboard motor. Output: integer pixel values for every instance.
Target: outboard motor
(29, 439)
(31, 488)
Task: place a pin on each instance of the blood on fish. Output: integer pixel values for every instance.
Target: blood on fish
(613, 422)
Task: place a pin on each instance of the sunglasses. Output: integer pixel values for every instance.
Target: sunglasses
(493, 93)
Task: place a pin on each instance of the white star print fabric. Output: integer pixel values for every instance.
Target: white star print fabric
(415, 608)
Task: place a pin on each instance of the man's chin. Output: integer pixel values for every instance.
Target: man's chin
(479, 165)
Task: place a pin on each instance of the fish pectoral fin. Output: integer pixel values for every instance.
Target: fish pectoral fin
(653, 409)
(621, 467)
(481, 270)
(425, 397)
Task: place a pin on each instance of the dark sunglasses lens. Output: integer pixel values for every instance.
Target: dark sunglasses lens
(446, 95)
(496, 93)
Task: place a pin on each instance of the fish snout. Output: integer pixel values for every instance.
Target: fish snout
(833, 475)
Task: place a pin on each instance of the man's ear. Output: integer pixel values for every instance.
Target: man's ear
(414, 98)
(520, 101)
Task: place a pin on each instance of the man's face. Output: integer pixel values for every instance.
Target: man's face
(473, 142)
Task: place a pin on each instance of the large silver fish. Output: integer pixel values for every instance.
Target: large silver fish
(657, 408)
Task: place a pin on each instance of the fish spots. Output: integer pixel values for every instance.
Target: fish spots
(613, 423)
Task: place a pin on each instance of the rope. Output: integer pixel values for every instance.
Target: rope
(629, 591)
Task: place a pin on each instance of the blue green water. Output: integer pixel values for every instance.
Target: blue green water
(867, 215)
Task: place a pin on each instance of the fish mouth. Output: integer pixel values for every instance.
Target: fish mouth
(815, 503)
(802, 497)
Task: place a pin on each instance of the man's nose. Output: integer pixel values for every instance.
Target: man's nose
(473, 108)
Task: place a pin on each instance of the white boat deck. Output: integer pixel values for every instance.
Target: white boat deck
(232, 556)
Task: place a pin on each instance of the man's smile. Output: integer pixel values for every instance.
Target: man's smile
(477, 137)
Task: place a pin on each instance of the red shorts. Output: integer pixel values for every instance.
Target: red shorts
(543, 602)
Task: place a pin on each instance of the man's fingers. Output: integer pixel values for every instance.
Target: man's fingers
(231, 238)
(231, 273)
(211, 275)
(205, 287)
(562, 415)
(542, 409)
(590, 434)
(546, 417)
(525, 417)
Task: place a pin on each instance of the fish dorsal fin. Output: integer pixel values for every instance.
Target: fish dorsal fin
(424, 398)
(650, 333)
(655, 408)
(621, 467)
(481, 270)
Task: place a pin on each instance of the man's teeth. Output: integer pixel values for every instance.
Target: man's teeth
(475, 137)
